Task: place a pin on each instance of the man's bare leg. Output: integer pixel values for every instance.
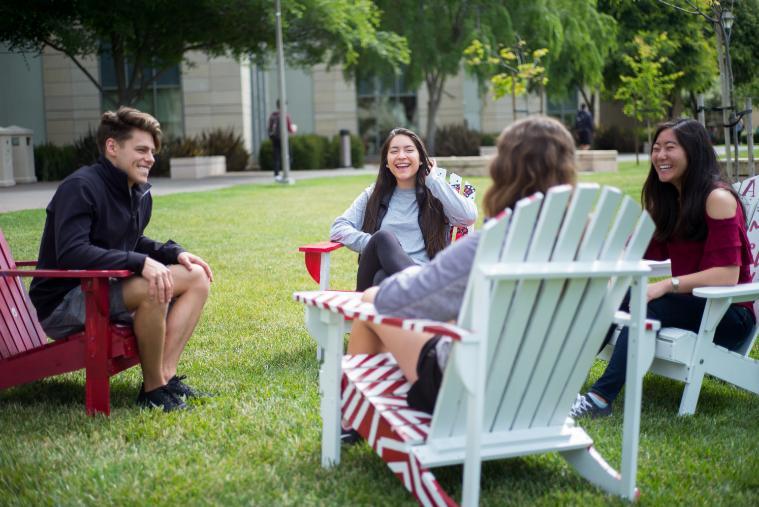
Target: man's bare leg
(149, 328)
(191, 289)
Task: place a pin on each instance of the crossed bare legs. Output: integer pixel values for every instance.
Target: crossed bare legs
(370, 338)
(161, 338)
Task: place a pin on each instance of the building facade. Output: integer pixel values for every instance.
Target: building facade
(51, 95)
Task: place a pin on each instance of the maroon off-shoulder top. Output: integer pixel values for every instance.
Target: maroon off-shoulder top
(726, 244)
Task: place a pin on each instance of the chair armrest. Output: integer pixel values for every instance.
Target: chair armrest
(659, 268)
(350, 306)
(67, 273)
(623, 319)
(321, 247)
(317, 260)
(26, 263)
(740, 293)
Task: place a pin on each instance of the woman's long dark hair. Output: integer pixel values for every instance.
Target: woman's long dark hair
(683, 215)
(431, 217)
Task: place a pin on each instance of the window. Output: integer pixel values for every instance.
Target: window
(382, 106)
(163, 98)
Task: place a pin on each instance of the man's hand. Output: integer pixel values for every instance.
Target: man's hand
(160, 280)
(187, 259)
(368, 295)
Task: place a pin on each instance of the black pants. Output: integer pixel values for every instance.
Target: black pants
(383, 256)
(683, 311)
(276, 146)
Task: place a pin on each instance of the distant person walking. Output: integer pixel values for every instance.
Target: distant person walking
(584, 127)
(276, 140)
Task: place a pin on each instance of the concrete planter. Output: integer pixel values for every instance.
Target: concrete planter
(193, 168)
(602, 161)
(588, 160)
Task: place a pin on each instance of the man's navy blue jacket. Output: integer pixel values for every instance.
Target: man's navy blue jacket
(94, 221)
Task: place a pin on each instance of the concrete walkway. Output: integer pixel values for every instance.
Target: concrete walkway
(38, 195)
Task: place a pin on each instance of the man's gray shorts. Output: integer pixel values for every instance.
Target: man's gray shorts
(68, 316)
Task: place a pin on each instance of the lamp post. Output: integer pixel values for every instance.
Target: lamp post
(722, 26)
(283, 126)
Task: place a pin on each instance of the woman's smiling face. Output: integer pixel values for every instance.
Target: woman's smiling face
(403, 160)
(669, 158)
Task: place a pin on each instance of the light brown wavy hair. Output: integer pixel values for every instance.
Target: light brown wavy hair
(120, 124)
(534, 154)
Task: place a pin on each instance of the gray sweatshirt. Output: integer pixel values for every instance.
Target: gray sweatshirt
(402, 218)
(434, 291)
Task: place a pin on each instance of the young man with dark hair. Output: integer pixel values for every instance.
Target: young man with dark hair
(96, 220)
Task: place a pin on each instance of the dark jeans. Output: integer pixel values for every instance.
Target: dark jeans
(276, 147)
(683, 311)
(383, 256)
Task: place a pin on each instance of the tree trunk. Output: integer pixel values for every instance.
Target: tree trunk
(435, 84)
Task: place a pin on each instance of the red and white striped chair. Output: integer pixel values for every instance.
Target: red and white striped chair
(543, 291)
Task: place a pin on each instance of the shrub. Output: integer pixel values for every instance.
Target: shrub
(86, 150)
(53, 163)
(225, 142)
(311, 151)
(457, 140)
(266, 156)
(614, 138)
(357, 152)
(488, 138)
(176, 147)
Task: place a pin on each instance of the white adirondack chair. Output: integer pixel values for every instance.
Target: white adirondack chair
(317, 255)
(544, 289)
(686, 356)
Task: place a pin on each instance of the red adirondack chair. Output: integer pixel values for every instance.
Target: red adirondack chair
(102, 349)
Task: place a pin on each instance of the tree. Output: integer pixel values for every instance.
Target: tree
(588, 38)
(513, 70)
(694, 52)
(146, 38)
(744, 46)
(646, 90)
(437, 32)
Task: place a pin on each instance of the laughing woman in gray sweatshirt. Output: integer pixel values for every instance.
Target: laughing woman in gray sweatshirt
(534, 154)
(404, 218)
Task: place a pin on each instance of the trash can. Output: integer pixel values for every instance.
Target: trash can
(23, 154)
(345, 148)
(6, 159)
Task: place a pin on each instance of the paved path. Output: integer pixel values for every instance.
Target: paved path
(38, 195)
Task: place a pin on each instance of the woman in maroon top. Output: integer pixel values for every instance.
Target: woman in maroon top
(700, 226)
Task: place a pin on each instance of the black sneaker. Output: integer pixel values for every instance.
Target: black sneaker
(182, 390)
(160, 398)
(584, 406)
(349, 436)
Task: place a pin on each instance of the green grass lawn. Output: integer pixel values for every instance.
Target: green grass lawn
(258, 441)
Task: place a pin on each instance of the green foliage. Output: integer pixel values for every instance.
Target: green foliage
(588, 38)
(744, 48)
(457, 140)
(646, 90)
(513, 70)
(144, 34)
(488, 138)
(614, 138)
(53, 163)
(692, 37)
(86, 149)
(437, 34)
(312, 151)
(226, 142)
(309, 151)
